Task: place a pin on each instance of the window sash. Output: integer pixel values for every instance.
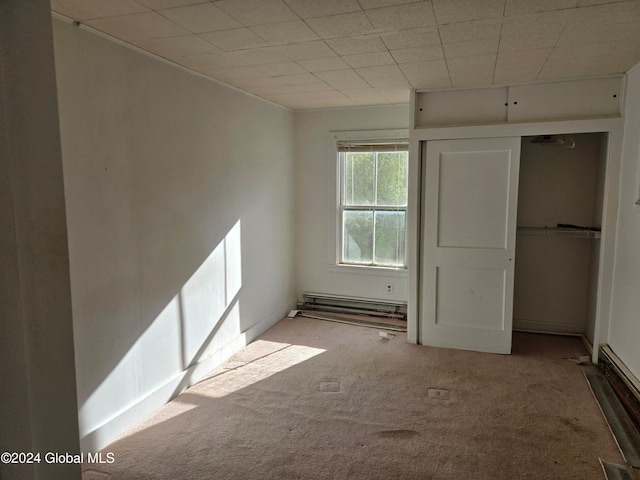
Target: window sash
(344, 207)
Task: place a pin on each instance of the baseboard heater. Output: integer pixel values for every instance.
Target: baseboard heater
(624, 383)
(359, 311)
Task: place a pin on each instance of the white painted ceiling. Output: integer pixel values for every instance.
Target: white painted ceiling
(308, 54)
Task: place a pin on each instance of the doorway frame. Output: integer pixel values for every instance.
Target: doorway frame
(613, 126)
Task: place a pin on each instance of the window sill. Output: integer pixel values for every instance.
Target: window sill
(366, 270)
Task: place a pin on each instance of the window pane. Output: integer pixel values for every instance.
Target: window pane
(392, 178)
(357, 244)
(389, 248)
(359, 178)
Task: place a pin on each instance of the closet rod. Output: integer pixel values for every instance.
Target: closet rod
(559, 232)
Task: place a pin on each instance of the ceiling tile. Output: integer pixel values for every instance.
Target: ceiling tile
(279, 69)
(89, 9)
(285, 32)
(343, 25)
(533, 31)
(476, 47)
(315, 8)
(427, 75)
(406, 16)
(138, 26)
(600, 33)
(391, 81)
(520, 67)
(369, 4)
(523, 25)
(369, 73)
(162, 4)
(172, 47)
(307, 51)
(395, 95)
(304, 82)
(586, 3)
(472, 71)
(420, 54)
(452, 11)
(235, 39)
(606, 14)
(384, 76)
(369, 59)
(257, 12)
(260, 56)
(366, 94)
(323, 64)
(586, 61)
(202, 18)
(355, 45)
(414, 37)
(470, 31)
(518, 7)
(342, 79)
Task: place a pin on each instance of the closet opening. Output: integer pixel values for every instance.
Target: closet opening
(559, 218)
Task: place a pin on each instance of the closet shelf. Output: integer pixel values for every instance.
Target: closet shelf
(557, 232)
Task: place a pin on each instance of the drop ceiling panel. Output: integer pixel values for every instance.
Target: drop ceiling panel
(341, 25)
(89, 9)
(201, 18)
(323, 64)
(138, 26)
(454, 11)
(355, 45)
(175, 47)
(285, 32)
(315, 8)
(316, 54)
(257, 12)
(411, 15)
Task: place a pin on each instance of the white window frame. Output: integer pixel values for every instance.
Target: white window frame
(335, 190)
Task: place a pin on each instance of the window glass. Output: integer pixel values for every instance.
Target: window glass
(392, 179)
(357, 243)
(389, 238)
(373, 209)
(360, 178)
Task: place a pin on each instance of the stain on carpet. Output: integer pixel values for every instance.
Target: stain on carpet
(439, 393)
(329, 386)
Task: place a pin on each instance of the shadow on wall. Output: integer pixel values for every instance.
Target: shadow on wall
(174, 348)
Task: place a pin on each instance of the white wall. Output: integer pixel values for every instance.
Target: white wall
(38, 401)
(624, 327)
(180, 205)
(315, 172)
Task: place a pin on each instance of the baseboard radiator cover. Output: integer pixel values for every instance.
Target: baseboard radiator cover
(623, 381)
(354, 305)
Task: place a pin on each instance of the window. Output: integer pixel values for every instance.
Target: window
(373, 203)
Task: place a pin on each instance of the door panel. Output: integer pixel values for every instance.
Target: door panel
(470, 202)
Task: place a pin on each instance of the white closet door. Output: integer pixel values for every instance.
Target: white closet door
(470, 204)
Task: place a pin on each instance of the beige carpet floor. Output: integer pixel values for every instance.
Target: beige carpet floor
(313, 399)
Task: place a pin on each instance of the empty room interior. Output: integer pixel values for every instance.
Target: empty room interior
(260, 239)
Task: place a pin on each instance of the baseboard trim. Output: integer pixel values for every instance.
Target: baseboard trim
(109, 431)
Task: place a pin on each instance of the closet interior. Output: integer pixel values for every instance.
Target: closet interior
(560, 203)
